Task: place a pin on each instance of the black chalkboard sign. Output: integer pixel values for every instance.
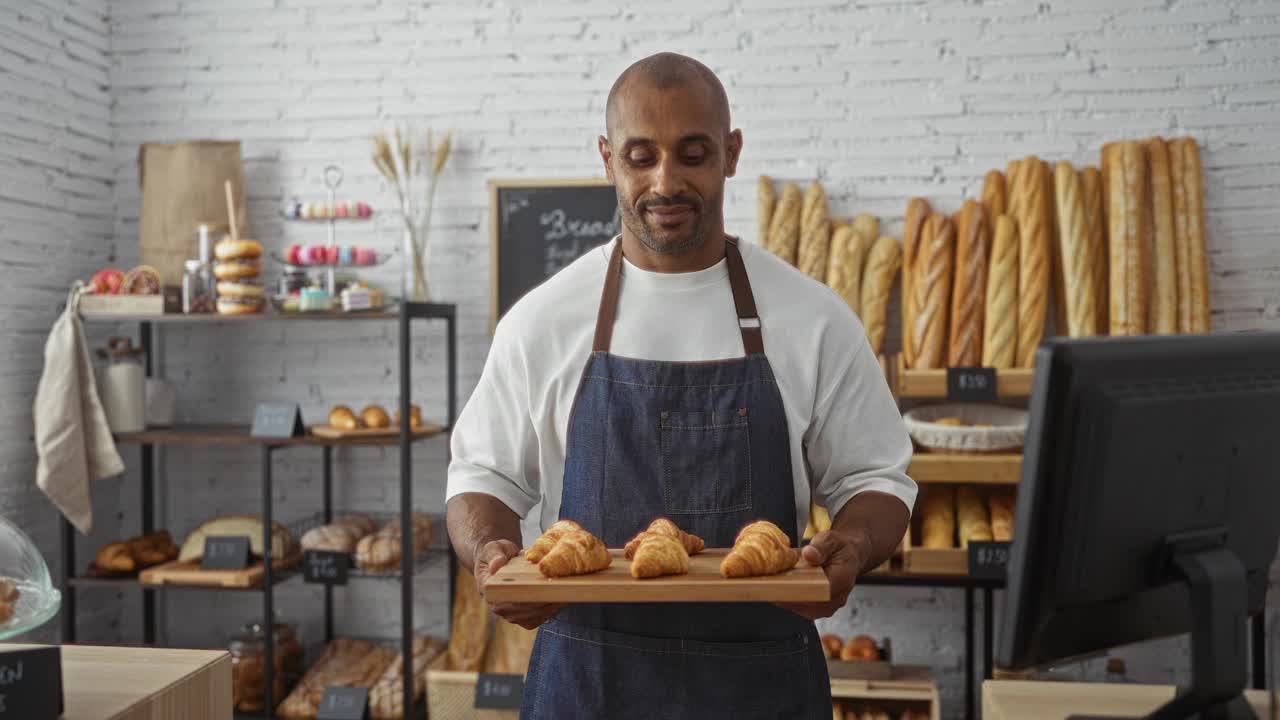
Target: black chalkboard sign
(538, 227)
(971, 384)
(31, 684)
(499, 692)
(225, 552)
(344, 703)
(277, 420)
(325, 567)
(988, 560)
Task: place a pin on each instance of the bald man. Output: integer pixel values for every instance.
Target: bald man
(712, 384)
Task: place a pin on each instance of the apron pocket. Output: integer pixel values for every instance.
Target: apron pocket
(706, 462)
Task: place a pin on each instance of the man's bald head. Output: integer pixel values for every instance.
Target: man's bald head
(667, 71)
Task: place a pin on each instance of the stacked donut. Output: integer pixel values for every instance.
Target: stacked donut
(237, 269)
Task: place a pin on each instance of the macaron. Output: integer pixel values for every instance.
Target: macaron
(340, 211)
(294, 254)
(331, 255)
(344, 255)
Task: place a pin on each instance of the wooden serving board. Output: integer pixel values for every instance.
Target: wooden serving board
(329, 431)
(520, 581)
(188, 572)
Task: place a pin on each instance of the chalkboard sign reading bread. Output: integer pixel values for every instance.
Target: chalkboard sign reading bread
(540, 226)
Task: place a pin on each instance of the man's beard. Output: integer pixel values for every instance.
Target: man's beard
(663, 241)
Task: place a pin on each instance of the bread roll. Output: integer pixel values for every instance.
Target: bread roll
(765, 199)
(1189, 237)
(993, 194)
(343, 418)
(868, 225)
(932, 292)
(913, 227)
(1032, 205)
(848, 257)
(784, 224)
(974, 520)
(969, 291)
(938, 517)
(1163, 306)
(333, 538)
(1000, 326)
(1096, 221)
(374, 416)
(883, 264)
(1074, 251)
(1128, 186)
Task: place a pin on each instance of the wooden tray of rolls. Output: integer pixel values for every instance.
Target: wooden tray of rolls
(335, 433)
(520, 581)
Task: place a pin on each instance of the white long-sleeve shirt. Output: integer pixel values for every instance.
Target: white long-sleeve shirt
(847, 434)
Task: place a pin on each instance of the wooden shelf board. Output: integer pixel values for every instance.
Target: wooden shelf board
(388, 313)
(217, 434)
(989, 469)
(1014, 383)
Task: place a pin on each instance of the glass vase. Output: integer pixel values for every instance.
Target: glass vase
(413, 286)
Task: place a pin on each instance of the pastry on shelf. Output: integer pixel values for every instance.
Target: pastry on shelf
(8, 598)
(662, 526)
(343, 418)
(381, 550)
(374, 416)
(543, 544)
(415, 417)
(832, 645)
(861, 648)
(761, 548)
(345, 663)
(386, 697)
(283, 544)
(577, 552)
(135, 553)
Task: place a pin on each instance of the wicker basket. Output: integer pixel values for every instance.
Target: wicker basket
(1006, 427)
(451, 695)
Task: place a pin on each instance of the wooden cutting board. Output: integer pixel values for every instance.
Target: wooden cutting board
(329, 431)
(179, 572)
(520, 581)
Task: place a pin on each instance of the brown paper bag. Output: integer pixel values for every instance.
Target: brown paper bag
(182, 187)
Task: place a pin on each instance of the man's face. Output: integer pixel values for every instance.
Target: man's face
(668, 157)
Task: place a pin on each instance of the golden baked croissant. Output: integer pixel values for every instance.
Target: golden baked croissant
(659, 554)
(577, 552)
(543, 545)
(692, 543)
(761, 548)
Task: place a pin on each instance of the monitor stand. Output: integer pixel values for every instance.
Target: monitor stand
(1219, 612)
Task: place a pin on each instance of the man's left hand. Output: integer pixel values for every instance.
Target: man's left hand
(841, 557)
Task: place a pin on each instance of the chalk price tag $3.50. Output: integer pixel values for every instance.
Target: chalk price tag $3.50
(501, 692)
(971, 384)
(344, 703)
(988, 560)
(325, 567)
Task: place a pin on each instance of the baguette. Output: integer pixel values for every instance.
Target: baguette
(969, 289)
(993, 194)
(973, 518)
(766, 198)
(913, 226)
(1033, 259)
(882, 267)
(932, 292)
(868, 225)
(1055, 251)
(848, 256)
(1163, 308)
(1001, 505)
(1095, 219)
(1128, 197)
(1013, 184)
(784, 224)
(938, 517)
(815, 233)
(1075, 256)
(1189, 218)
(1000, 328)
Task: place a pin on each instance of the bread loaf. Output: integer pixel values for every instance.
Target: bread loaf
(868, 225)
(1128, 186)
(1001, 503)
(331, 538)
(938, 517)
(849, 250)
(974, 520)
(1013, 185)
(1096, 221)
(913, 227)
(784, 224)
(469, 630)
(968, 292)
(1162, 316)
(993, 194)
(1000, 326)
(282, 541)
(765, 199)
(386, 697)
(935, 265)
(1189, 234)
(883, 264)
(1032, 205)
(1074, 251)
(815, 233)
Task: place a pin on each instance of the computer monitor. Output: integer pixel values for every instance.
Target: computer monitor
(1149, 505)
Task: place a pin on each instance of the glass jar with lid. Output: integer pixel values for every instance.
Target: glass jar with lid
(248, 665)
(198, 293)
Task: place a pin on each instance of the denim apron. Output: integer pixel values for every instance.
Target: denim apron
(706, 445)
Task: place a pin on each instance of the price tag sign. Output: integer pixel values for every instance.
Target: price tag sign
(499, 692)
(31, 684)
(277, 420)
(325, 567)
(973, 384)
(987, 560)
(343, 703)
(225, 552)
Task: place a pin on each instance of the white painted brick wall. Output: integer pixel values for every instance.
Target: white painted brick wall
(56, 213)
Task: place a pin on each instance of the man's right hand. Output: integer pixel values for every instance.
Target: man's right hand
(490, 559)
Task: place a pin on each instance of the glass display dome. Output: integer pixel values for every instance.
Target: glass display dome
(23, 571)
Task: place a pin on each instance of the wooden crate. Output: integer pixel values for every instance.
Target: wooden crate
(111, 305)
(1012, 383)
(931, 561)
(451, 695)
(908, 687)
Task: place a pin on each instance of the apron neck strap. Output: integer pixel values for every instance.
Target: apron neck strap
(743, 300)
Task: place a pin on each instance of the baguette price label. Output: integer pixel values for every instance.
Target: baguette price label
(344, 703)
(988, 560)
(971, 384)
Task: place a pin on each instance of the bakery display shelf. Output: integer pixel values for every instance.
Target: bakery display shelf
(975, 469)
(932, 384)
(233, 434)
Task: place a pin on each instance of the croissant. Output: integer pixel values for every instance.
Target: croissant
(577, 552)
(543, 545)
(761, 548)
(659, 554)
(692, 543)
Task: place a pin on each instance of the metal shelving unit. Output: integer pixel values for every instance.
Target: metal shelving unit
(238, 436)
